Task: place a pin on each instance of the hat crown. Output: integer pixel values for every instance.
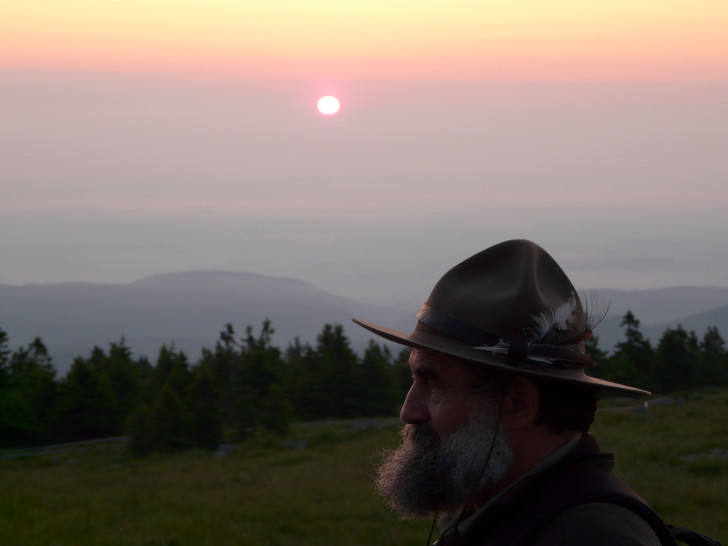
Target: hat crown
(513, 290)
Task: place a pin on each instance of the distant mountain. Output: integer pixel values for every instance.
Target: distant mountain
(186, 309)
(698, 322)
(695, 307)
(660, 304)
(190, 309)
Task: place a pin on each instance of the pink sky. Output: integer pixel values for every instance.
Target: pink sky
(596, 128)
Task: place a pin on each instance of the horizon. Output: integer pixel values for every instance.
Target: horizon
(71, 318)
(584, 292)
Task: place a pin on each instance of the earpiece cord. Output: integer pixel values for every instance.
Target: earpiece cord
(471, 499)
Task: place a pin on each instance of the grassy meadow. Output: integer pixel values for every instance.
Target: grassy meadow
(265, 493)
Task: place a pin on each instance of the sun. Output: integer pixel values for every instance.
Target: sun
(328, 105)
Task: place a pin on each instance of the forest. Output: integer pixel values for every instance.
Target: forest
(245, 384)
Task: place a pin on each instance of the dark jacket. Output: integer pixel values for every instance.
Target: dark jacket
(575, 501)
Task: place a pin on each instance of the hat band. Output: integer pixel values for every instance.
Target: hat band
(512, 349)
(454, 328)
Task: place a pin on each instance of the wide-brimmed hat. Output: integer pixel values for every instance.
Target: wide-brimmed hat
(511, 308)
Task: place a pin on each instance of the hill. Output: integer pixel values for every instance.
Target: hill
(695, 307)
(186, 309)
(190, 309)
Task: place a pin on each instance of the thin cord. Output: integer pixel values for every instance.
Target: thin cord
(471, 499)
(432, 529)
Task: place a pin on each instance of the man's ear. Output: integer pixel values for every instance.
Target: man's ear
(521, 403)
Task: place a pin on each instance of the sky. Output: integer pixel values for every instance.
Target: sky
(144, 137)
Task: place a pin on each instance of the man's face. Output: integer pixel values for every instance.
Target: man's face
(450, 429)
(443, 392)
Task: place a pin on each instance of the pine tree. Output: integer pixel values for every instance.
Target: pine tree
(171, 369)
(377, 388)
(302, 380)
(4, 354)
(337, 366)
(172, 421)
(6, 413)
(124, 377)
(204, 405)
(591, 347)
(29, 396)
(713, 358)
(277, 411)
(262, 362)
(633, 361)
(226, 362)
(676, 360)
(616, 368)
(88, 406)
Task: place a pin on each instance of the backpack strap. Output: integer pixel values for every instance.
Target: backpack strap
(692, 538)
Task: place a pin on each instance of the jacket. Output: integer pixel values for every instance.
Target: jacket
(574, 501)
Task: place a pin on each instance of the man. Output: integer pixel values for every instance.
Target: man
(496, 438)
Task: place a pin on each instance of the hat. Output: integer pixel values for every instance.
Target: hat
(510, 308)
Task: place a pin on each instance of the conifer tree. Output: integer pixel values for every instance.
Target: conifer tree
(338, 372)
(302, 381)
(592, 348)
(676, 360)
(124, 378)
(225, 362)
(377, 388)
(4, 354)
(713, 360)
(88, 406)
(28, 392)
(204, 407)
(171, 421)
(277, 411)
(164, 422)
(262, 362)
(633, 361)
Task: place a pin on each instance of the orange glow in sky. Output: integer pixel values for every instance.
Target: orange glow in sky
(373, 39)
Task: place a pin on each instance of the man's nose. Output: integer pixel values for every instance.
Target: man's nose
(414, 410)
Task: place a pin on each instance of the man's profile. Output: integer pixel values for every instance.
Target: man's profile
(496, 440)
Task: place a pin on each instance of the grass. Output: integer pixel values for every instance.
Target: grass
(267, 494)
(258, 494)
(650, 447)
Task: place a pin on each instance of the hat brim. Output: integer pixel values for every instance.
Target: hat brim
(458, 349)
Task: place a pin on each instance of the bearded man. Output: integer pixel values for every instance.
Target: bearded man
(496, 440)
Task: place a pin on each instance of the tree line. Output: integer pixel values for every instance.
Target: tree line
(242, 385)
(680, 360)
(246, 384)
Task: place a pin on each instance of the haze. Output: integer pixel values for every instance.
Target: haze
(148, 137)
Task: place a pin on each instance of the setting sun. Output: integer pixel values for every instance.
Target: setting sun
(328, 105)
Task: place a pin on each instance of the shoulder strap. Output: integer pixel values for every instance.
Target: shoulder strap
(692, 538)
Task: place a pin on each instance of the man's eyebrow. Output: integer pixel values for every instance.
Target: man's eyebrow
(425, 373)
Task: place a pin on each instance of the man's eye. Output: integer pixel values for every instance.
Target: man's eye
(435, 390)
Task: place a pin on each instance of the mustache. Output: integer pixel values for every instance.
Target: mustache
(421, 439)
(419, 433)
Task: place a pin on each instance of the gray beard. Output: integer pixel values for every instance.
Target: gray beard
(427, 476)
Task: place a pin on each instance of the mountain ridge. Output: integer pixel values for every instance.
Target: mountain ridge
(190, 308)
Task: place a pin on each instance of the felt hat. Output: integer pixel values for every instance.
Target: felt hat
(510, 308)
